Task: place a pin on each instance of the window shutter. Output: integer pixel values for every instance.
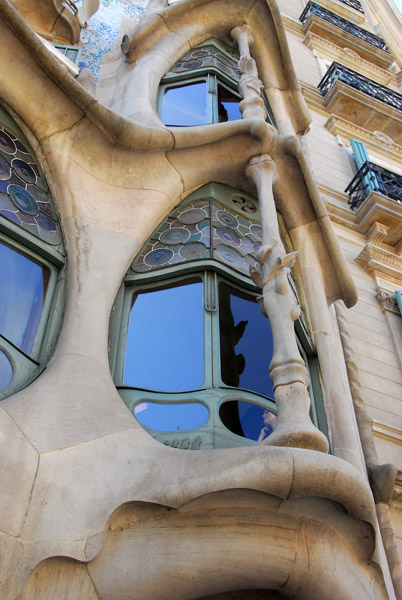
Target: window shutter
(361, 156)
(398, 296)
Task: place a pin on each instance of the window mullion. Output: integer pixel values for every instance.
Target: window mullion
(212, 84)
(210, 320)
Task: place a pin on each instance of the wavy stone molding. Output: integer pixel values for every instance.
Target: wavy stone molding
(188, 543)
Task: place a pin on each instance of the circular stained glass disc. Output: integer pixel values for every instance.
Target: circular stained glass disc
(6, 143)
(194, 250)
(176, 235)
(23, 170)
(158, 257)
(227, 219)
(256, 231)
(228, 236)
(193, 215)
(6, 370)
(229, 256)
(23, 200)
(5, 170)
(192, 64)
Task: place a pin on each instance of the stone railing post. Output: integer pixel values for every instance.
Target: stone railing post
(287, 369)
(252, 105)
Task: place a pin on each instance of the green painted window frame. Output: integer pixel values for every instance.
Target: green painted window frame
(27, 367)
(213, 77)
(214, 391)
(212, 82)
(68, 50)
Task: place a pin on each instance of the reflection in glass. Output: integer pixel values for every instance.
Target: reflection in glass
(6, 370)
(171, 417)
(185, 105)
(228, 105)
(245, 340)
(22, 291)
(248, 420)
(165, 340)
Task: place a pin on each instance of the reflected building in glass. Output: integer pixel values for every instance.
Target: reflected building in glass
(200, 300)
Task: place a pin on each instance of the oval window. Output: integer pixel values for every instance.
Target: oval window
(248, 420)
(171, 417)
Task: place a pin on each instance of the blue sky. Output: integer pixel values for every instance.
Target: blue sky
(398, 4)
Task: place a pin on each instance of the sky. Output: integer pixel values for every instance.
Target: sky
(398, 4)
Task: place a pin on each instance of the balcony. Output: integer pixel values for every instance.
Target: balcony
(375, 197)
(372, 178)
(315, 26)
(362, 101)
(353, 4)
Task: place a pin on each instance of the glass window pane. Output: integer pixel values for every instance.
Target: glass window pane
(171, 417)
(228, 105)
(248, 420)
(22, 291)
(186, 105)
(6, 370)
(245, 340)
(165, 341)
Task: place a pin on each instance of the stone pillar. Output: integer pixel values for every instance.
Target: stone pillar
(287, 370)
(252, 105)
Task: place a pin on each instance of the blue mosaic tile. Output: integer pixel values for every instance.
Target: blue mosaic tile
(101, 33)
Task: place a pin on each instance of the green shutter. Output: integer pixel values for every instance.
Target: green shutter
(398, 296)
(361, 156)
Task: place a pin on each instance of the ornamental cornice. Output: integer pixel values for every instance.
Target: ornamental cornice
(381, 264)
(376, 141)
(347, 57)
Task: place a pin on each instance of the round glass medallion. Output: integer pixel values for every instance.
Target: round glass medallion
(6, 369)
(228, 236)
(24, 170)
(176, 235)
(256, 231)
(193, 250)
(5, 170)
(193, 215)
(159, 257)
(229, 256)
(227, 219)
(23, 200)
(6, 143)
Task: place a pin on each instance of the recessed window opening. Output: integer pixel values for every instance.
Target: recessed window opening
(190, 349)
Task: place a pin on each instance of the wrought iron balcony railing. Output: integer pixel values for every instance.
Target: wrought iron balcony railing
(372, 178)
(313, 8)
(354, 4)
(338, 72)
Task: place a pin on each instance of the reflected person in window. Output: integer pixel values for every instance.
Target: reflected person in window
(270, 420)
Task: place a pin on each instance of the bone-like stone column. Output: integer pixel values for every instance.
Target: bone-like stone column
(287, 369)
(252, 105)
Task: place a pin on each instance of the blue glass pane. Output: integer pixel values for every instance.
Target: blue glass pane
(228, 105)
(22, 289)
(246, 342)
(248, 420)
(165, 341)
(6, 370)
(186, 105)
(171, 417)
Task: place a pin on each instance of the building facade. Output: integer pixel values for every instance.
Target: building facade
(200, 300)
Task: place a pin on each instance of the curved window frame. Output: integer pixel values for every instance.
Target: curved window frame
(213, 77)
(26, 367)
(214, 392)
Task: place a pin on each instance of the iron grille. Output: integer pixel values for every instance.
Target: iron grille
(373, 178)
